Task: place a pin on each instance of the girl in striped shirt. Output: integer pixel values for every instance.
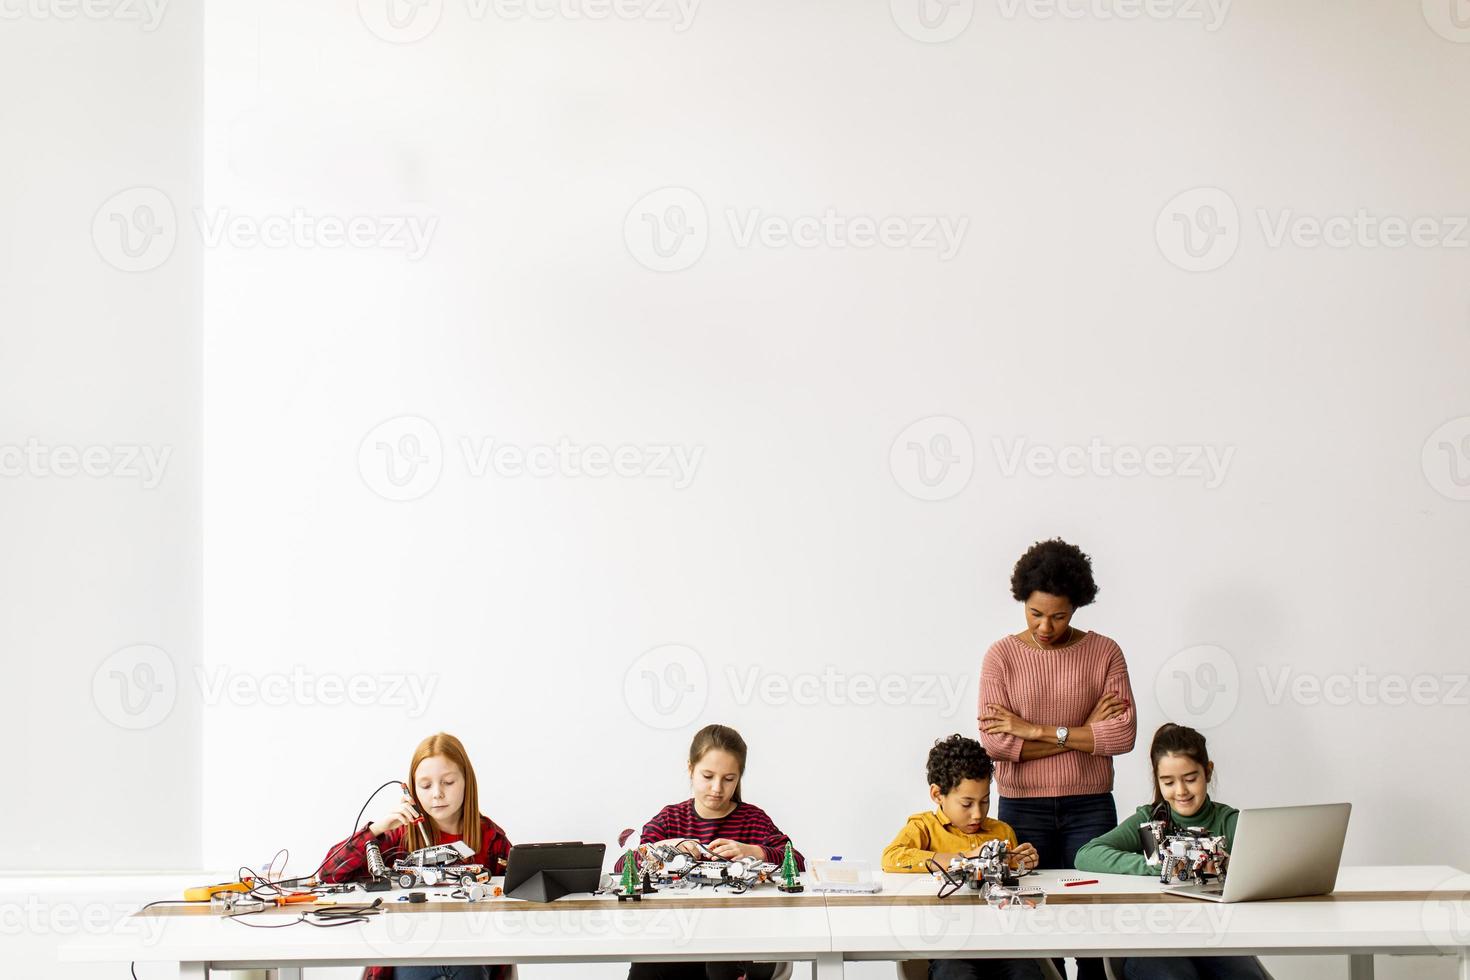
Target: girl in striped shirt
(715, 819)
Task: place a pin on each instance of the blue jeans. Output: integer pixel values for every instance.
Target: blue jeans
(441, 973)
(1193, 968)
(1058, 826)
(984, 970)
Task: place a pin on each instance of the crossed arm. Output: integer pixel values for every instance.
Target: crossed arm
(1039, 742)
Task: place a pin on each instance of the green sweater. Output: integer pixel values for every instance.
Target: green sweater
(1120, 850)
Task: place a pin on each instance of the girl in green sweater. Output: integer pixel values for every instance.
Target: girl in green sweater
(1182, 773)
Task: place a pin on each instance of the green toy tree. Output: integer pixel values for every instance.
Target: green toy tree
(789, 880)
(629, 886)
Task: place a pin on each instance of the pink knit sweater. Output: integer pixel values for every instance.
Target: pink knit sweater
(1051, 688)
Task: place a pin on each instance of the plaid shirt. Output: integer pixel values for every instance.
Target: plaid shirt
(347, 861)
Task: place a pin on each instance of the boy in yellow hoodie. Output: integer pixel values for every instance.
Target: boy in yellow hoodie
(959, 785)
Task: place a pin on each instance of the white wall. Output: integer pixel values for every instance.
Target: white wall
(99, 435)
(534, 310)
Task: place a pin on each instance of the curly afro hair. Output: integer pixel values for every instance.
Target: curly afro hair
(1056, 568)
(955, 759)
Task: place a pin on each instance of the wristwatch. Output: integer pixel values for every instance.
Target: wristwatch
(1062, 734)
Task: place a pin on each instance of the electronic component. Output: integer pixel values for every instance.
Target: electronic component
(1186, 853)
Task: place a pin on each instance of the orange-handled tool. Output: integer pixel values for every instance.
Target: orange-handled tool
(294, 899)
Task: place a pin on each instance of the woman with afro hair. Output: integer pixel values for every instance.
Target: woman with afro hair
(1055, 707)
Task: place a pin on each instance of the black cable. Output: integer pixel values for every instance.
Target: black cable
(322, 919)
(351, 834)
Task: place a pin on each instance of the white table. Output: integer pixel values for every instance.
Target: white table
(1399, 910)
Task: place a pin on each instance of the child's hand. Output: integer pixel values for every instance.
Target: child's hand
(730, 850)
(401, 815)
(693, 848)
(1023, 858)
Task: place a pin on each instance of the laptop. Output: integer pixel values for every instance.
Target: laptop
(1280, 852)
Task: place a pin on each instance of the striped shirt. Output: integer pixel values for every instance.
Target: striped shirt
(1054, 688)
(746, 824)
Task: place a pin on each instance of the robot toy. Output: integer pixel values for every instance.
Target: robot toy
(441, 864)
(990, 868)
(1186, 853)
